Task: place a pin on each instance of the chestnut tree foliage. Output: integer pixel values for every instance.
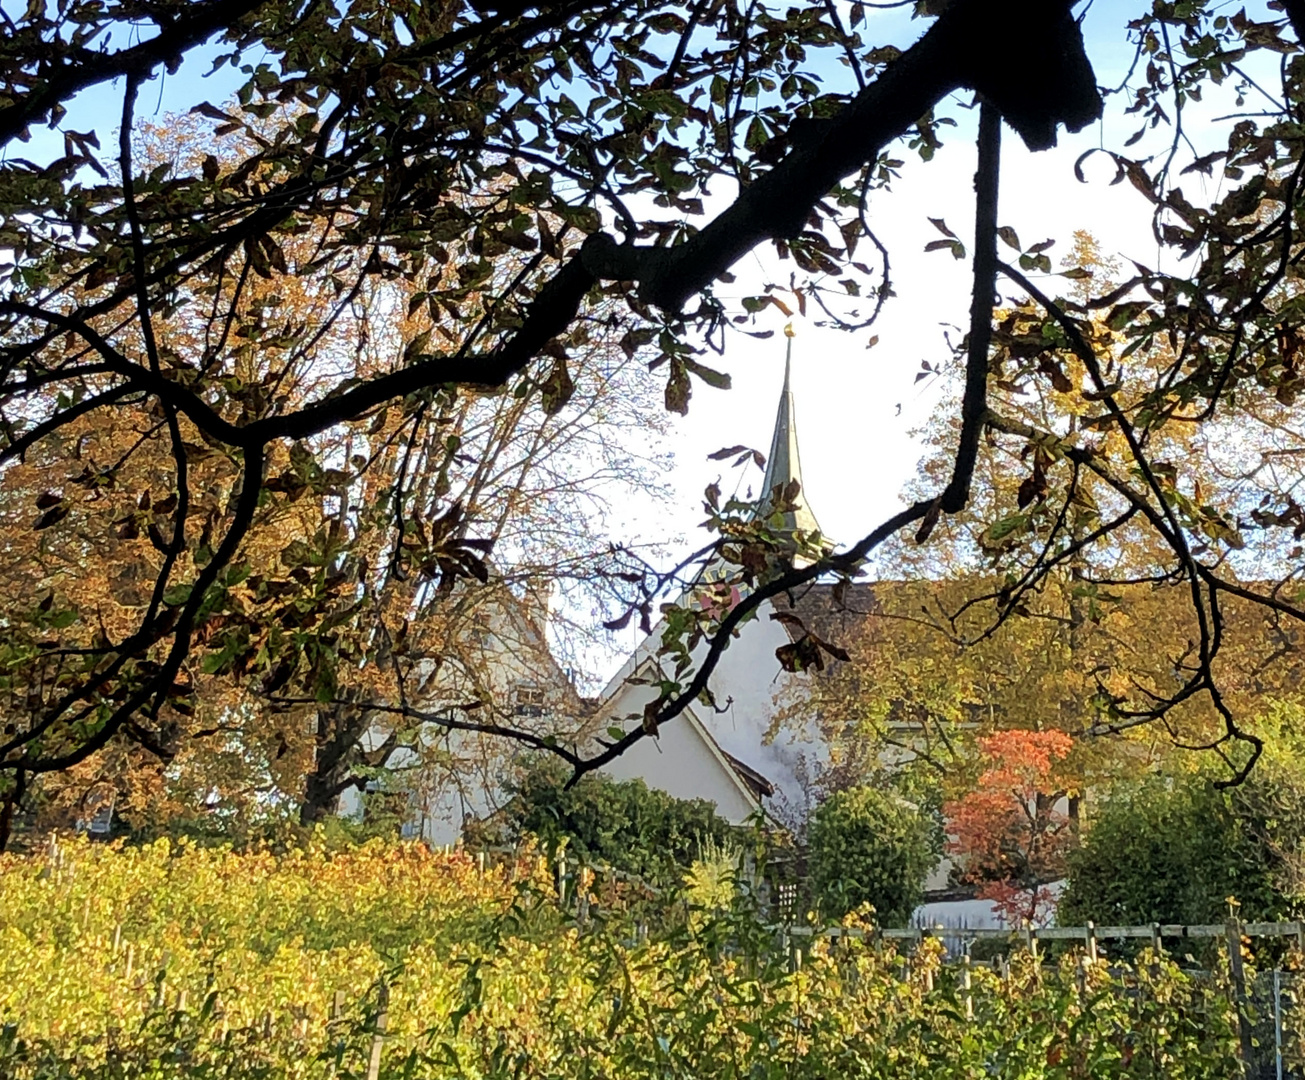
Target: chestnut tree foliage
(532, 179)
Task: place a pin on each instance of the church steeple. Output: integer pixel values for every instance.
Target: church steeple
(783, 464)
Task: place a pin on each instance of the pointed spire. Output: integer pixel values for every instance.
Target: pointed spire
(783, 464)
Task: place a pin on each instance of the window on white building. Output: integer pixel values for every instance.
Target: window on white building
(530, 701)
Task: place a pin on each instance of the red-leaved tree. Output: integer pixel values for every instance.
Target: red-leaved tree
(1010, 834)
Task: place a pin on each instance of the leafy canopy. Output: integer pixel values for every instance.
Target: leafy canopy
(537, 176)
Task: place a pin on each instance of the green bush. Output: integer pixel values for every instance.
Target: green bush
(1172, 850)
(867, 846)
(619, 823)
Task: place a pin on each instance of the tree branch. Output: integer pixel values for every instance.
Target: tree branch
(974, 403)
(201, 21)
(963, 48)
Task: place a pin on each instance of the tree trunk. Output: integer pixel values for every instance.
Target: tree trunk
(10, 807)
(339, 730)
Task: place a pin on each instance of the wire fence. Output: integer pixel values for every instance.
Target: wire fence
(1271, 1022)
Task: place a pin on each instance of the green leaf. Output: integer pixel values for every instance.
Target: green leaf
(1121, 315)
(1001, 530)
(711, 377)
(177, 595)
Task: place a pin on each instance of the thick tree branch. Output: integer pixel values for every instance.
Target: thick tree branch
(971, 45)
(1295, 10)
(974, 403)
(548, 315)
(139, 378)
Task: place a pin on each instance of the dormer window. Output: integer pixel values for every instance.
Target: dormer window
(530, 701)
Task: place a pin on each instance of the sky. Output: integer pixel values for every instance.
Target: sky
(856, 407)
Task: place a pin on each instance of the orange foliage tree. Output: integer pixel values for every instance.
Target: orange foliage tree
(1010, 834)
(370, 556)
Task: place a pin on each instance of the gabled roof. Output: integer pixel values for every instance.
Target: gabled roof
(752, 784)
(759, 784)
(783, 466)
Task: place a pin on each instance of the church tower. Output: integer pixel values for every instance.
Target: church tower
(784, 465)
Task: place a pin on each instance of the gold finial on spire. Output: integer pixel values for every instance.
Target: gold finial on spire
(782, 465)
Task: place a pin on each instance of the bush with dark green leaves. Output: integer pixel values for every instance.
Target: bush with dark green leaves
(619, 823)
(868, 846)
(1174, 849)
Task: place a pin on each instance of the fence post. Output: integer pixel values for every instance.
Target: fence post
(965, 985)
(1031, 943)
(1233, 936)
(1277, 1020)
(1092, 941)
(561, 879)
(378, 1039)
(925, 932)
(584, 877)
(1156, 943)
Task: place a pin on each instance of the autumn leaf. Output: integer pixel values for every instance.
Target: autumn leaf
(678, 389)
(620, 622)
(557, 389)
(718, 379)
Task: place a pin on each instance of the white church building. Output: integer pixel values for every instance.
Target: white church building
(727, 757)
(734, 755)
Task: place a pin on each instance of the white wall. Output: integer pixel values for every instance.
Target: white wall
(746, 682)
(750, 675)
(680, 763)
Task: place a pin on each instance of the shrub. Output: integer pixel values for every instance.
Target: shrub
(867, 846)
(619, 823)
(1172, 850)
(174, 962)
